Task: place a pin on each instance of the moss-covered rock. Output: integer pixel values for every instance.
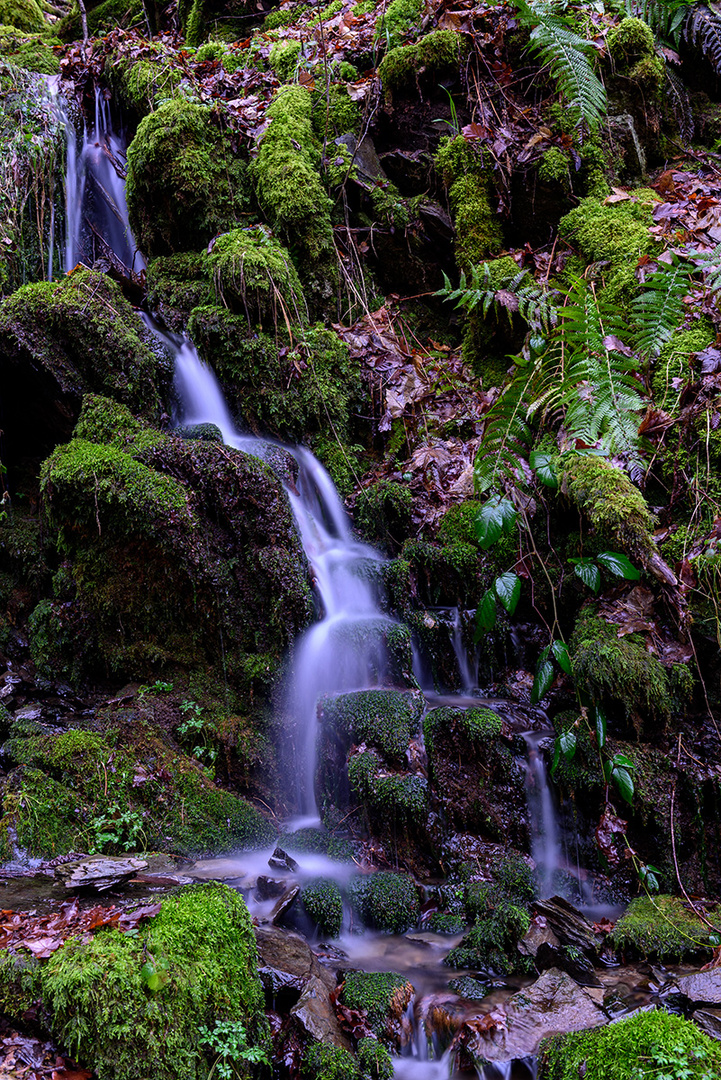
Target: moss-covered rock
(384, 996)
(478, 232)
(117, 1001)
(102, 18)
(185, 183)
(326, 1062)
(33, 52)
(23, 15)
(177, 284)
(662, 928)
(438, 53)
(386, 901)
(253, 275)
(388, 719)
(382, 514)
(61, 341)
(324, 905)
(640, 1047)
(614, 506)
(500, 912)
(674, 366)
(144, 83)
(374, 1060)
(630, 39)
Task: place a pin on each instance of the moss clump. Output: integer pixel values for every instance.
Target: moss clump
(388, 719)
(614, 506)
(285, 16)
(185, 184)
(374, 1060)
(106, 16)
(326, 1062)
(478, 233)
(383, 995)
(386, 901)
(253, 273)
(202, 947)
(617, 234)
(395, 22)
(394, 799)
(176, 285)
(283, 58)
(555, 168)
(382, 513)
(662, 928)
(476, 724)
(286, 174)
(501, 918)
(675, 362)
(630, 40)
(144, 84)
(619, 670)
(33, 52)
(324, 905)
(23, 15)
(642, 1047)
(339, 114)
(650, 75)
(434, 55)
(320, 843)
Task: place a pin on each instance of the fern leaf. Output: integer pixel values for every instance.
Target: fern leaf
(702, 28)
(568, 57)
(658, 310)
(680, 100)
(665, 17)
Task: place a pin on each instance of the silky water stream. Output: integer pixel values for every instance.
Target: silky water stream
(344, 649)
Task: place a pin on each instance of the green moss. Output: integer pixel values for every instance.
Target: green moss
(320, 843)
(675, 363)
(477, 725)
(202, 945)
(253, 274)
(388, 719)
(106, 422)
(433, 56)
(641, 1047)
(650, 75)
(324, 906)
(555, 168)
(286, 174)
(614, 506)
(618, 233)
(662, 928)
(630, 40)
(491, 944)
(326, 1062)
(382, 513)
(144, 84)
(620, 670)
(106, 16)
(177, 284)
(383, 995)
(185, 183)
(478, 233)
(386, 901)
(374, 1060)
(33, 52)
(393, 799)
(23, 15)
(283, 17)
(284, 57)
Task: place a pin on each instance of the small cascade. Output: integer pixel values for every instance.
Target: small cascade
(468, 671)
(545, 842)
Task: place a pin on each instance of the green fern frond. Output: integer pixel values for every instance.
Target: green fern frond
(702, 28)
(709, 263)
(569, 60)
(506, 439)
(659, 310)
(513, 293)
(665, 17)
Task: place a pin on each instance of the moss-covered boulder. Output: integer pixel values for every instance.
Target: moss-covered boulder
(641, 1047)
(386, 901)
(33, 52)
(384, 996)
(177, 284)
(613, 505)
(144, 83)
(166, 994)
(474, 776)
(23, 15)
(185, 182)
(323, 905)
(61, 341)
(253, 275)
(102, 18)
(433, 56)
(464, 172)
(176, 552)
(663, 928)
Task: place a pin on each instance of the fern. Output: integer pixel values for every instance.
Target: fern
(501, 457)
(680, 100)
(516, 293)
(665, 17)
(658, 311)
(568, 57)
(709, 263)
(702, 28)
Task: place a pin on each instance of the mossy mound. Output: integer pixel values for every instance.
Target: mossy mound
(144, 84)
(111, 1015)
(392, 799)
(438, 53)
(176, 285)
(121, 789)
(253, 275)
(383, 995)
(102, 18)
(478, 233)
(324, 906)
(662, 928)
(61, 341)
(326, 1062)
(289, 189)
(675, 362)
(613, 505)
(374, 1060)
(382, 514)
(500, 913)
(388, 719)
(23, 15)
(643, 1047)
(386, 901)
(33, 52)
(630, 39)
(320, 843)
(147, 523)
(185, 183)
(294, 386)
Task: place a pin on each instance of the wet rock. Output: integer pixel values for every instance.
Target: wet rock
(469, 988)
(316, 1015)
(269, 888)
(286, 901)
(547, 952)
(539, 934)
(555, 1002)
(701, 986)
(709, 1020)
(99, 872)
(281, 860)
(289, 954)
(569, 925)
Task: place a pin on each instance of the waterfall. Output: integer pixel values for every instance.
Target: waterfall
(545, 844)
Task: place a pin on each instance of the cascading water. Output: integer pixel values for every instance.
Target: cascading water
(545, 842)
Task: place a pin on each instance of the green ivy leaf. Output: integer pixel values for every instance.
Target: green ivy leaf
(618, 565)
(485, 614)
(542, 681)
(624, 783)
(562, 658)
(567, 740)
(508, 590)
(545, 471)
(588, 572)
(493, 519)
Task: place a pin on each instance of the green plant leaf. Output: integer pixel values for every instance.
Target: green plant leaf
(567, 740)
(485, 614)
(556, 756)
(542, 681)
(624, 783)
(560, 653)
(621, 761)
(588, 572)
(600, 729)
(508, 590)
(545, 471)
(618, 565)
